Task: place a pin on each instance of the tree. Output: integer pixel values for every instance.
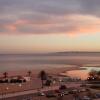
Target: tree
(29, 73)
(5, 74)
(93, 73)
(43, 76)
(48, 82)
(98, 73)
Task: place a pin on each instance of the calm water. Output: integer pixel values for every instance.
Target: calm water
(20, 62)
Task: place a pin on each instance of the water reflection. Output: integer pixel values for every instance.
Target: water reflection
(81, 73)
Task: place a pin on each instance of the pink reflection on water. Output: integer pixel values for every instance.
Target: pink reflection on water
(83, 74)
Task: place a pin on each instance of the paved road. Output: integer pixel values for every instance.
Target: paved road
(9, 95)
(35, 97)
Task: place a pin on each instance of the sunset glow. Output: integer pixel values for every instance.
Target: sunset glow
(30, 26)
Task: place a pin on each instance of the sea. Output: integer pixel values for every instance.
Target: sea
(16, 62)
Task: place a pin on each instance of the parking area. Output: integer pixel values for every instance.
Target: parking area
(71, 94)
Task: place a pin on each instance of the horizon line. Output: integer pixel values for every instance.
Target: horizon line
(39, 53)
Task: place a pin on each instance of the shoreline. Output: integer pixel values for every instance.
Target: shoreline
(35, 71)
(49, 70)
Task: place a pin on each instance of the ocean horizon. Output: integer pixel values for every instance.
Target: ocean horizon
(13, 62)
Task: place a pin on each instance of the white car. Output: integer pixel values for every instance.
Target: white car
(65, 92)
(41, 94)
(86, 98)
(83, 90)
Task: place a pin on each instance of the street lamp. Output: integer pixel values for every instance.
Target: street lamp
(20, 85)
(7, 88)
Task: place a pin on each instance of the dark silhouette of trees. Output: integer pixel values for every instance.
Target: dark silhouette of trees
(98, 73)
(92, 73)
(7, 79)
(43, 76)
(17, 81)
(4, 81)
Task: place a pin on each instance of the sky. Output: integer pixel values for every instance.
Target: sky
(38, 26)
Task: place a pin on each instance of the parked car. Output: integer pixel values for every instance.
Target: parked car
(73, 91)
(60, 94)
(65, 92)
(57, 91)
(62, 87)
(83, 90)
(86, 98)
(41, 94)
(97, 95)
(50, 94)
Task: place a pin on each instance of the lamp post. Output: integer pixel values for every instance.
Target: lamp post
(20, 85)
(4, 92)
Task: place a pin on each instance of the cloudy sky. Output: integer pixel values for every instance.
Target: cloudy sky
(29, 26)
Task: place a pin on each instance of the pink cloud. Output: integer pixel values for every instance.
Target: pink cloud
(11, 27)
(69, 24)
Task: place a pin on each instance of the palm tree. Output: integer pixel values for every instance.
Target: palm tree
(43, 76)
(29, 73)
(5, 74)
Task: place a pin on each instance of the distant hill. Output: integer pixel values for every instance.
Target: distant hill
(57, 54)
(76, 54)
